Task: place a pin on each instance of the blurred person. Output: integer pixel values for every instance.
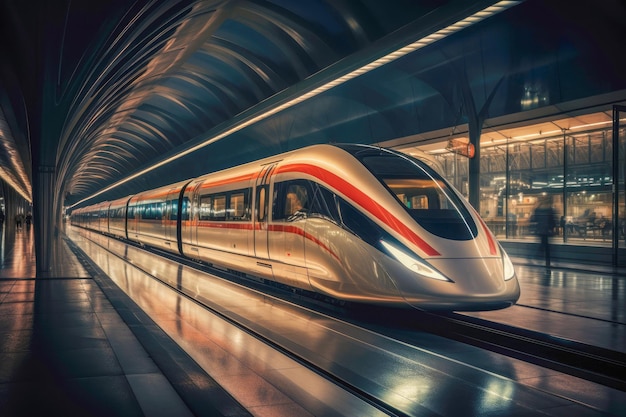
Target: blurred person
(19, 218)
(545, 222)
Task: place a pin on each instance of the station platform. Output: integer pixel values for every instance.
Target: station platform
(73, 343)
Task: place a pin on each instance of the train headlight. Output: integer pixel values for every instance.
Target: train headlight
(509, 270)
(415, 265)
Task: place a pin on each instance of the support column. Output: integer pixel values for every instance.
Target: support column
(44, 218)
(475, 130)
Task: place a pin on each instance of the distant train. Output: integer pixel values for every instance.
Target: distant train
(354, 222)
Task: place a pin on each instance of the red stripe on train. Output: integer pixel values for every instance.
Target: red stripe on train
(363, 200)
(297, 230)
(271, 228)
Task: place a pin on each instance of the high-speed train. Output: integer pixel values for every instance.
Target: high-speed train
(356, 223)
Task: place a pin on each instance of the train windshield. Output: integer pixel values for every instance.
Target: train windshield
(424, 193)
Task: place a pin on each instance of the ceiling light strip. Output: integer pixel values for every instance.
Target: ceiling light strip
(6, 177)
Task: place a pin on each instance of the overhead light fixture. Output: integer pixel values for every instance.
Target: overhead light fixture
(9, 180)
(419, 44)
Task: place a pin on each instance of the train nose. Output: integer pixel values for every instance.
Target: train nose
(476, 284)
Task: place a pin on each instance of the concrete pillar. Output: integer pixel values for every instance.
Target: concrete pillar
(45, 221)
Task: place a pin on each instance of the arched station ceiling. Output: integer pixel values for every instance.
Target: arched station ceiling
(96, 89)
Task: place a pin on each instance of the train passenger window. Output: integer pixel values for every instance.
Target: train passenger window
(174, 209)
(218, 207)
(142, 211)
(290, 197)
(238, 207)
(205, 208)
(151, 211)
(185, 209)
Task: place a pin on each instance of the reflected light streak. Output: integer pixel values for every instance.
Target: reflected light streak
(432, 38)
(6, 177)
(497, 394)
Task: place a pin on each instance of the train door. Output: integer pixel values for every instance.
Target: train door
(170, 217)
(186, 230)
(194, 217)
(261, 212)
(131, 224)
(287, 231)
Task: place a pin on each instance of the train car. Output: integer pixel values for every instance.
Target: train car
(117, 217)
(353, 222)
(92, 217)
(153, 217)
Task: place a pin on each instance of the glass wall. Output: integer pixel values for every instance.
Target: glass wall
(573, 171)
(621, 183)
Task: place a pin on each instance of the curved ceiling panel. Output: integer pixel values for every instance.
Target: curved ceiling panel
(134, 82)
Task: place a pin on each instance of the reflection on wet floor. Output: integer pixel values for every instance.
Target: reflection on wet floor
(589, 307)
(17, 252)
(17, 255)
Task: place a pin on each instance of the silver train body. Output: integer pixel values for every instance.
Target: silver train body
(354, 222)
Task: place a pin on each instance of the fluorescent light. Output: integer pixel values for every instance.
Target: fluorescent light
(9, 180)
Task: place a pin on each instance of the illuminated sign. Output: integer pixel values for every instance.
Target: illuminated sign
(461, 148)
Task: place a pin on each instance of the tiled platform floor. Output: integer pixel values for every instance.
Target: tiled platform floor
(70, 346)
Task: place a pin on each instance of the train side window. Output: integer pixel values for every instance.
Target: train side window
(157, 210)
(152, 211)
(174, 209)
(218, 207)
(185, 209)
(290, 197)
(205, 207)
(238, 205)
(142, 210)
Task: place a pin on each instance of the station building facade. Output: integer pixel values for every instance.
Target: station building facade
(574, 162)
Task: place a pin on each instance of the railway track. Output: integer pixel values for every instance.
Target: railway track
(603, 366)
(592, 363)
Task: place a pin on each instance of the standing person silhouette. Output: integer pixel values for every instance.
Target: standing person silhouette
(545, 223)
